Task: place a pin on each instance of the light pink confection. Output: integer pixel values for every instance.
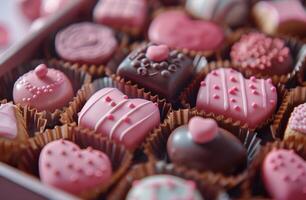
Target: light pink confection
(4, 36)
(202, 130)
(8, 121)
(226, 92)
(30, 8)
(86, 42)
(297, 120)
(129, 14)
(158, 53)
(284, 175)
(281, 16)
(126, 121)
(43, 89)
(177, 30)
(62, 164)
(49, 7)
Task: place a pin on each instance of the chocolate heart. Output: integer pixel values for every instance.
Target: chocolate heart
(226, 92)
(64, 165)
(175, 29)
(284, 175)
(8, 121)
(127, 121)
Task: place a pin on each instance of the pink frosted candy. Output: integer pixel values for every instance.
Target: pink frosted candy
(202, 130)
(250, 101)
(297, 120)
(8, 121)
(175, 29)
(284, 175)
(158, 53)
(43, 89)
(127, 121)
(64, 165)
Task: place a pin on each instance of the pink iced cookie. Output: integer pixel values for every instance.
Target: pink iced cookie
(86, 42)
(297, 120)
(8, 121)
(286, 16)
(226, 92)
(122, 14)
(43, 89)
(127, 121)
(64, 165)
(284, 175)
(51, 6)
(30, 8)
(175, 29)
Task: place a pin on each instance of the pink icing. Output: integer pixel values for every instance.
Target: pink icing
(202, 130)
(44, 89)
(64, 165)
(8, 121)
(121, 13)
(158, 53)
(127, 121)
(297, 120)
(175, 29)
(257, 50)
(284, 175)
(250, 101)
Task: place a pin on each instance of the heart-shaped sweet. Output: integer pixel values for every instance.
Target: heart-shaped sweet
(158, 53)
(64, 165)
(284, 175)
(175, 29)
(8, 121)
(127, 121)
(226, 92)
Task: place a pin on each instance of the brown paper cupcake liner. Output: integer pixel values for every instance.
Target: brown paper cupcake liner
(69, 116)
(119, 156)
(30, 123)
(155, 146)
(77, 78)
(294, 98)
(297, 49)
(155, 168)
(253, 186)
(189, 95)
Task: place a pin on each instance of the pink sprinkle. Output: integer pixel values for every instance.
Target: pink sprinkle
(125, 97)
(233, 79)
(132, 105)
(57, 173)
(252, 86)
(272, 102)
(214, 73)
(269, 81)
(253, 78)
(237, 108)
(127, 120)
(216, 96)
(254, 92)
(273, 89)
(232, 91)
(108, 99)
(49, 152)
(216, 87)
(254, 105)
(113, 104)
(110, 117)
(233, 100)
(63, 153)
(203, 83)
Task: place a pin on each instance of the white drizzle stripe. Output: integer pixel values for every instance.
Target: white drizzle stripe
(264, 94)
(134, 125)
(244, 98)
(207, 89)
(124, 116)
(224, 89)
(100, 121)
(87, 109)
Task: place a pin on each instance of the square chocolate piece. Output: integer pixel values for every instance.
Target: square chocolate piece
(158, 69)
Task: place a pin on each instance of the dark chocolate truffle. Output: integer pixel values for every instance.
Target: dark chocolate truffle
(202, 145)
(157, 68)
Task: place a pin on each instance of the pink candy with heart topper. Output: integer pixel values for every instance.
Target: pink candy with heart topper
(284, 175)
(64, 165)
(158, 53)
(202, 130)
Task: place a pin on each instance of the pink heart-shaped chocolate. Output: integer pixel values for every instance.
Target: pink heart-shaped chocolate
(126, 121)
(175, 29)
(64, 165)
(284, 175)
(158, 53)
(8, 121)
(226, 92)
(202, 130)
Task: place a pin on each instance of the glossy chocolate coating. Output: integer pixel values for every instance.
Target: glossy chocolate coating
(224, 153)
(166, 78)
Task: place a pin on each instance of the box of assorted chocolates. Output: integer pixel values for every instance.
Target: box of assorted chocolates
(155, 99)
